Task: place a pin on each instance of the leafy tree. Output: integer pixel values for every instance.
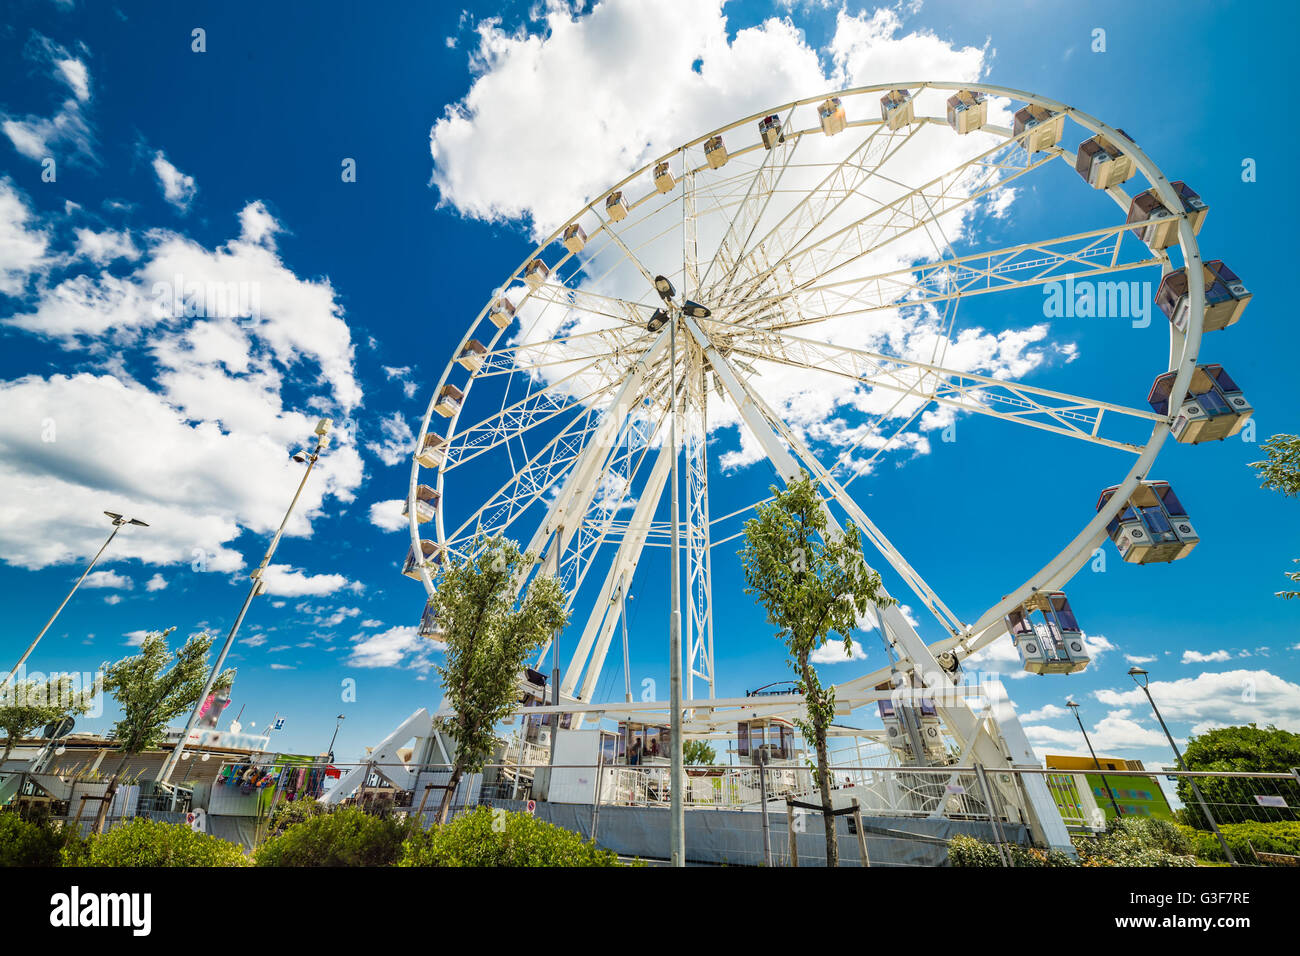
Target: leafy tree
(698, 752)
(145, 842)
(31, 704)
(812, 582)
(1239, 749)
(34, 841)
(347, 836)
(488, 637)
(1280, 471)
(152, 694)
(495, 837)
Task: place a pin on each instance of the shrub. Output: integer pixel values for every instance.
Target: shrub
(488, 837)
(1264, 837)
(144, 842)
(289, 812)
(968, 851)
(345, 837)
(32, 842)
(1136, 842)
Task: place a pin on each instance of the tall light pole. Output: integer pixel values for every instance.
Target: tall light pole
(322, 442)
(1104, 782)
(338, 722)
(1141, 678)
(118, 521)
(677, 823)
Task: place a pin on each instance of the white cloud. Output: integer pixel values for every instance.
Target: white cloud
(1115, 731)
(284, 581)
(67, 132)
(1139, 659)
(1196, 657)
(22, 245)
(135, 638)
(103, 247)
(388, 514)
(1215, 700)
(395, 440)
(156, 583)
(395, 647)
(832, 652)
(1046, 712)
(178, 188)
(107, 579)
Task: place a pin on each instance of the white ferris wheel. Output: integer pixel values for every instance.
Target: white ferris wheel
(795, 240)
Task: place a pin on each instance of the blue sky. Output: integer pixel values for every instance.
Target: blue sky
(227, 162)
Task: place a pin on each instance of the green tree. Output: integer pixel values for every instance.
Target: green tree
(488, 637)
(32, 703)
(812, 582)
(1247, 749)
(698, 752)
(153, 688)
(1280, 471)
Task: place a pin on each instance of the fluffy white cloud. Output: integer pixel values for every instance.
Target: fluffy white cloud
(1197, 657)
(105, 246)
(832, 652)
(107, 579)
(395, 440)
(68, 131)
(1046, 712)
(1115, 731)
(177, 188)
(1216, 700)
(395, 647)
(156, 583)
(388, 514)
(22, 244)
(284, 581)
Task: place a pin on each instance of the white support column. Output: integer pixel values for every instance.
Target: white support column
(699, 589)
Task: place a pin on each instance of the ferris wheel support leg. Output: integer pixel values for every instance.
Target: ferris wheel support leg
(1010, 748)
(605, 612)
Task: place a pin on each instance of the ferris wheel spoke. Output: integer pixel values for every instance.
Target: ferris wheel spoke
(1041, 408)
(889, 222)
(1093, 253)
(844, 182)
(586, 302)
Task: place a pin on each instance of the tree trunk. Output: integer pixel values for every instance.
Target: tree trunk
(9, 746)
(824, 784)
(102, 816)
(448, 795)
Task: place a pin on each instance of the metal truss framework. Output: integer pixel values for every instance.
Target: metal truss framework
(798, 248)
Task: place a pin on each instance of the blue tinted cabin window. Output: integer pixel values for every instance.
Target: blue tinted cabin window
(1172, 505)
(1155, 520)
(1225, 381)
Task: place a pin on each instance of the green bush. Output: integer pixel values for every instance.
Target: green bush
(345, 837)
(32, 842)
(487, 837)
(968, 851)
(144, 842)
(289, 812)
(1264, 837)
(1134, 841)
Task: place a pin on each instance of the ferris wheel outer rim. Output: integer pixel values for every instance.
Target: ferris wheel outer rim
(1183, 347)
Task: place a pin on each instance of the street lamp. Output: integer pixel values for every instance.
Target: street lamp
(1109, 792)
(118, 521)
(338, 722)
(1141, 678)
(258, 586)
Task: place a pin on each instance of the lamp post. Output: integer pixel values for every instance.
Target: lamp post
(1104, 782)
(338, 722)
(1141, 678)
(118, 521)
(322, 442)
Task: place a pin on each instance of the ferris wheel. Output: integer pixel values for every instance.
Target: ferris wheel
(817, 255)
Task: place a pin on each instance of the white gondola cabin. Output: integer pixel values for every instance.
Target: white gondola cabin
(897, 109)
(429, 626)
(664, 181)
(449, 400)
(968, 110)
(433, 452)
(1152, 527)
(769, 740)
(1226, 297)
(644, 744)
(502, 312)
(426, 504)
(1042, 127)
(769, 131)
(472, 355)
(616, 206)
(715, 152)
(430, 558)
(1052, 644)
(536, 273)
(831, 115)
(1213, 409)
(575, 238)
(923, 718)
(1161, 229)
(1101, 163)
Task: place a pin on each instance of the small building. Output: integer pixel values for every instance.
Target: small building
(1137, 795)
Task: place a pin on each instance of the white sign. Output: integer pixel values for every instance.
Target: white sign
(1270, 800)
(531, 807)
